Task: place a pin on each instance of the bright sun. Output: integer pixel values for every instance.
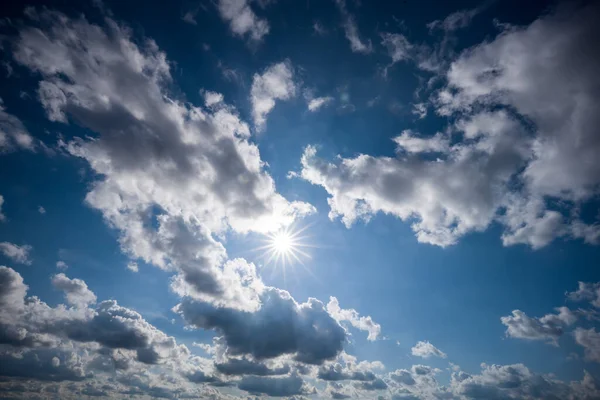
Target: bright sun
(282, 242)
(285, 247)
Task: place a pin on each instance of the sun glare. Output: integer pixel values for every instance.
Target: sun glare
(285, 247)
(282, 242)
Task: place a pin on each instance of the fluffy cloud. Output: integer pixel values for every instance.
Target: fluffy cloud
(279, 327)
(170, 174)
(357, 44)
(586, 292)
(76, 291)
(518, 382)
(491, 89)
(425, 349)
(275, 83)
(346, 367)
(351, 316)
(454, 195)
(548, 328)
(242, 20)
(16, 253)
(589, 339)
(13, 135)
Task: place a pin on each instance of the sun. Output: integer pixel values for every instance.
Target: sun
(285, 247)
(282, 242)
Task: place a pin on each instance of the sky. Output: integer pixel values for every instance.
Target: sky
(242, 199)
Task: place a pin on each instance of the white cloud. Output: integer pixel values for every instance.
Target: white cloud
(275, 83)
(133, 266)
(198, 166)
(408, 142)
(456, 194)
(425, 349)
(548, 328)
(41, 210)
(318, 102)
(492, 166)
(16, 253)
(242, 20)
(589, 339)
(357, 44)
(350, 315)
(76, 291)
(420, 110)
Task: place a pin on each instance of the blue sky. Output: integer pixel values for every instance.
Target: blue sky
(294, 199)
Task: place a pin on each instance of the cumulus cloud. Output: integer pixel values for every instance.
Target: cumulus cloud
(347, 368)
(589, 339)
(19, 254)
(242, 19)
(352, 316)
(76, 290)
(275, 83)
(548, 328)
(426, 350)
(357, 44)
(171, 175)
(454, 195)
(281, 326)
(510, 152)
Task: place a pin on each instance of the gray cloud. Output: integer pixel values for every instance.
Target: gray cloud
(549, 327)
(280, 326)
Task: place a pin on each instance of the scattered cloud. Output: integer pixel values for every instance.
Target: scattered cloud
(351, 316)
(548, 328)
(357, 44)
(19, 254)
(317, 103)
(61, 265)
(275, 83)
(13, 134)
(133, 266)
(472, 183)
(41, 210)
(242, 20)
(425, 349)
(457, 20)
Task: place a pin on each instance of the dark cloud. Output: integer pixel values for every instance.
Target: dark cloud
(280, 326)
(245, 367)
(289, 386)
